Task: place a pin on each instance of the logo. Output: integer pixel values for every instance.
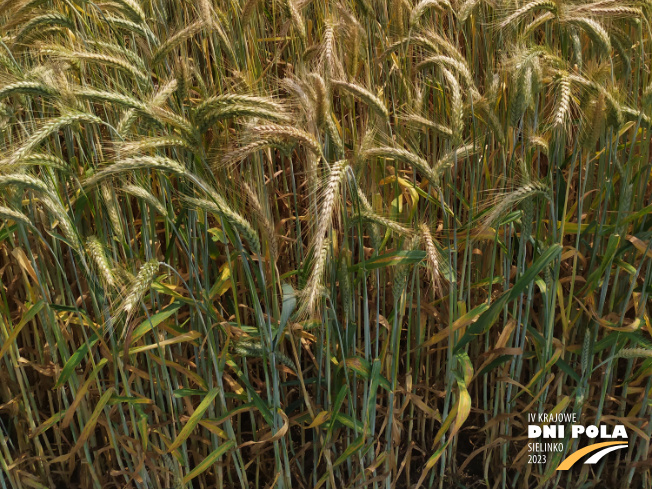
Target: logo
(553, 427)
(602, 449)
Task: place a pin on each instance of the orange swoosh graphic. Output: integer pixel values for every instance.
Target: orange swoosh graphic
(571, 459)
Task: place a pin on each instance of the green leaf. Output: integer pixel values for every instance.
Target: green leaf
(403, 257)
(48, 423)
(75, 360)
(568, 370)
(320, 419)
(89, 427)
(486, 320)
(363, 368)
(357, 444)
(373, 387)
(179, 393)
(350, 422)
(29, 315)
(194, 420)
(257, 400)
(129, 400)
(495, 363)
(154, 321)
(289, 304)
(595, 277)
(339, 400)
(208, 461)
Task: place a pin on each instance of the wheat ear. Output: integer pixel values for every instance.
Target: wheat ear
(288, 132)
(137, 163)
(399, 154)
(48, 128)
(176, 40)
(32, 88)
(457, 107)
(421, 8)
(139, 286)
(25, 181)
(526, 9)
(371, 216)
(430, 124)
(265, 224)
(133, 9)
(465, 9)
(96, 251)
(220, 207)
(111, 61)
(365, 95)
(330, 197)
(506, 201)
(141, 193)
(7, 214)
(433, 256)
(134, 147)
(42, 21)
(563, 104)
(140, 29)
(595, 31)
